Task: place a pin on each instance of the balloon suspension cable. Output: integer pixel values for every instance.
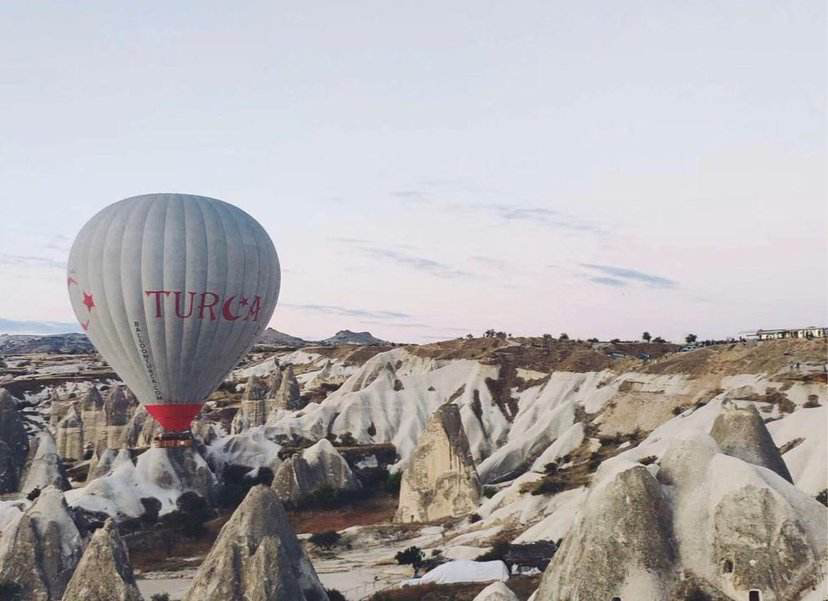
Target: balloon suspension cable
(172, 440)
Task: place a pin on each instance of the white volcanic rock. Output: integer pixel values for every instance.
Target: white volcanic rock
(44, 466)
(140, 430)
(496, 591)
(726, 525)
(287, 396)
(440, 480)
(14, 444)
(104, 572)
(465, 570)
(69, 434)
(257, 557)
(317, 467)
(251, 448)
(165, 474)
(740, 432)
(803, 433)
(40, 550)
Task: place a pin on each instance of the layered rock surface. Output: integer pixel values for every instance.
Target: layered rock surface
(104, 572)
(44, 466)
(440, 480)
(257, 557)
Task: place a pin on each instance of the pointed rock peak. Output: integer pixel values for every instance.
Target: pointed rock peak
(440, 480)
(275, 382)
(740, 432)
(45, 467)
(257, 557)
(104, 572)
(254, 389)
(72, 419)
(497, 591)
(41, 550)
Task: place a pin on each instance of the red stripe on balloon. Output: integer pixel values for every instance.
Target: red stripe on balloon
(174, 417)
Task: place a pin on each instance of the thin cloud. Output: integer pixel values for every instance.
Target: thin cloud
(540, 216)
(419, 263)
(27, 261)
(348, 312)
(615, 276)
(609, 282)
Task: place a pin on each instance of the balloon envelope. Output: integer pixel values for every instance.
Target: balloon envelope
(173, 290)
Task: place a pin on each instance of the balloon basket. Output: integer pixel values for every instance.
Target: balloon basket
(173, 440)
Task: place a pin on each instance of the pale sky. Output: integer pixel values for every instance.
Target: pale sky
(428, 169)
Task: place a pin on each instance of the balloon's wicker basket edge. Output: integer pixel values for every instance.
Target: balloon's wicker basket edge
(172, 440)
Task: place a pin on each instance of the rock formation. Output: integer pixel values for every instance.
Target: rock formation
(706, 524)
(252, 411)
(287, 397)
(440, 480)
(14, 444)
(117, 411)
(622, 542)
(316, 468)
(104, 572)
(92, 416)
(140, 430)
(69, 434)
(44, 466)
(41, 550)
(257, 557)
(496, 591)
(741, 433)
(273, 391)
(177, 470)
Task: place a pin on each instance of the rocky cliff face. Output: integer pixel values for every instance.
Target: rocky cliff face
(440, 480)
(104, 572)
(38, 554)
(497, 591)
(69, 435)
(317, 467)
(740, 432)
(14, 444)
(287, 397)
(257, 558)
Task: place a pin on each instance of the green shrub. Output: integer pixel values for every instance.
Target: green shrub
(335, 595)
(412, 556)
(326, 539)
(822, 497)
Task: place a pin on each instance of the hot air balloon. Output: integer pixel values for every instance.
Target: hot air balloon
(173, 289)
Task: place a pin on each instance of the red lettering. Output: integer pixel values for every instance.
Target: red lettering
(255, 307)
(203, 305)
(226, 312)
(178, 310)
(158, 306)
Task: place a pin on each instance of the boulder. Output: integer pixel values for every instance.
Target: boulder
(257, 557)
(497, 591)
(315, 468)
(44, 466)
(104, 572)
(14, 444)
(440, 480)
(42, 549)
(740, 432)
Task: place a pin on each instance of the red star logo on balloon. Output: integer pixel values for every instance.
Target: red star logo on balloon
(88, 300)
(243, 302)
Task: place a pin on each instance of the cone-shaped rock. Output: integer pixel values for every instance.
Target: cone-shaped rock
(69, 434)
(741, 433)
(41, 550)
(317, 467)
(287, 397)
(104, 572)
(44, 466)
(14, 444)
(440, 480)
(257, 558)
(621, 542)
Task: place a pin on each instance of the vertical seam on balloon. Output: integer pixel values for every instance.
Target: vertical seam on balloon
(211, 353)
(174, 345)
(200, 335)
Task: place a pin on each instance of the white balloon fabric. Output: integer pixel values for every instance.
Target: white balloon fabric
(173, 290)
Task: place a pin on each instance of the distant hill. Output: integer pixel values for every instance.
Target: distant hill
(40, 328)
(59, 343)
(349, 337)
(273, 337)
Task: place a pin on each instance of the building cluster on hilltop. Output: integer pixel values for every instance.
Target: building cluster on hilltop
(808, 332)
